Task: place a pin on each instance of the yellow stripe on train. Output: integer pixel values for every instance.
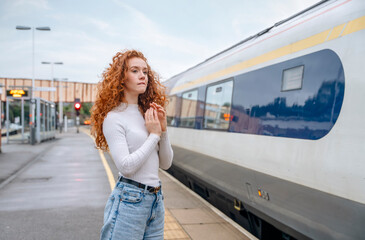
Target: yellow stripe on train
(333, 33)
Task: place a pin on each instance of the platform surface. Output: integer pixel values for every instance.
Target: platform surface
(58, 190)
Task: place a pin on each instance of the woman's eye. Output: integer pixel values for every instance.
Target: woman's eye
(134, 71)
(145, 73)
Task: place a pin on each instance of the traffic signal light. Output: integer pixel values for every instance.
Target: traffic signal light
(77, 106)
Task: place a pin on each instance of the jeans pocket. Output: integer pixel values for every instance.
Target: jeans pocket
(131, 195)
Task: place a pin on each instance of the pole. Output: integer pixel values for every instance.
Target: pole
(32, 66)
(1, 114)
(52, 85)
(65, 121)
(52, 77)
(77, 123)
(32, 126)
(60, 106)
(32, 99)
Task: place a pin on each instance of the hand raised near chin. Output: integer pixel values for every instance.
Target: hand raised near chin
(161, 113)
(152, 123)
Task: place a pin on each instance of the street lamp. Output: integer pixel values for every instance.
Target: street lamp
(52, 85)
(60, 105)
(32, 133)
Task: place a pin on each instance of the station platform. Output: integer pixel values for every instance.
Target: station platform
(58, 190)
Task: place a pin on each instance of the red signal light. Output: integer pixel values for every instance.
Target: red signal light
(77, 106)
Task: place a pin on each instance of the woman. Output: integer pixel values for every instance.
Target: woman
(129, 119)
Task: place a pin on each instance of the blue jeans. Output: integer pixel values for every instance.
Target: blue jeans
(133, 213)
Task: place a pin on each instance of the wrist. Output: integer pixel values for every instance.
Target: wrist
(156, 133)
(163, 128)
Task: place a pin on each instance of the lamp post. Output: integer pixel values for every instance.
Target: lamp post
(52, 84)
(60, 105)
(32, 124)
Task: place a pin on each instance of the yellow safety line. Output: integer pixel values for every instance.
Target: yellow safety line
(105, 163)
(173, 229)
(107, 170)
(316, 39)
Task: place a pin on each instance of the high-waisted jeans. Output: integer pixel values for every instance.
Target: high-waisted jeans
(133, 213)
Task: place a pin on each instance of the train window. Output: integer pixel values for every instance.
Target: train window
(218, 105)
(292, 79)
(188, 108)
(171, 111)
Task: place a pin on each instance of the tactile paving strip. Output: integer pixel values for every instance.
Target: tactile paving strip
(173, 229)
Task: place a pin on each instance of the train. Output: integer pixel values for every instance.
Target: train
(271, 130)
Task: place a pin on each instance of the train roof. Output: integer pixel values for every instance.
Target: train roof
(167, 82)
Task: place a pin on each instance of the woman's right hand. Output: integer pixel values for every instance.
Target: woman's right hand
(152, 123)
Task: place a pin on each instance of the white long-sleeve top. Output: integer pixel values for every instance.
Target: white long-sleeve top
(136, 153)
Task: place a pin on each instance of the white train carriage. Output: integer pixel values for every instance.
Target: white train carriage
(271, 130)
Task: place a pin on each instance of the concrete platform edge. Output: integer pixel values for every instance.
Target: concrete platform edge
(25, 167)
(218, 212)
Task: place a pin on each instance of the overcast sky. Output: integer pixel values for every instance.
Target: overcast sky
(85, 34)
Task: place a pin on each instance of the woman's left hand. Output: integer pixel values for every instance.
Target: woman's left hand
(161, 113)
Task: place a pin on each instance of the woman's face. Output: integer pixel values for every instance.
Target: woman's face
(136, 76)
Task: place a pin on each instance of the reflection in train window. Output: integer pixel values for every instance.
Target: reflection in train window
(292, 79)
(188, 108)
(218, 106)
(171, 111)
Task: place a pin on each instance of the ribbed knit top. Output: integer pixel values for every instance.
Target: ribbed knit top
(136, 153)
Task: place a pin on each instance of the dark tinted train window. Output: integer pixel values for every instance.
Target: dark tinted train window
(261, 107)
(188, 108)
(218, 105)
(292, 78)
(171, 111)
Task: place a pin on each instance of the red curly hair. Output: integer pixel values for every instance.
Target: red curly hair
(111, 93)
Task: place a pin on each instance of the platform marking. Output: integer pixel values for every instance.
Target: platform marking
(107, 170)
(105, 163)
(214, 209)
(172, 230)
